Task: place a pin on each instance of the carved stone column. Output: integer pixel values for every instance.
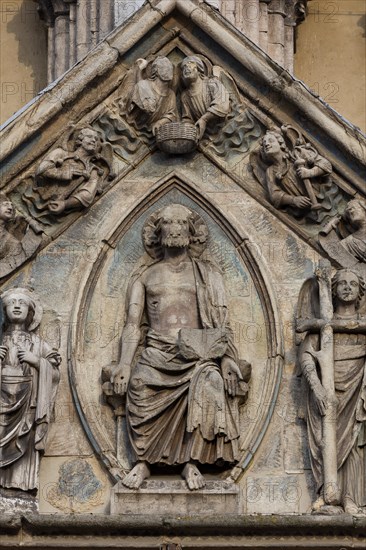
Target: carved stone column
(76, 26)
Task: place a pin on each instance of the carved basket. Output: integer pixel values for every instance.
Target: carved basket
(177, 138)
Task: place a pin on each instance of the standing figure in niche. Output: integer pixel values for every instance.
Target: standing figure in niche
(29, 376)
(205, 100)
(348, 332)
(183, 394)
(150, 102)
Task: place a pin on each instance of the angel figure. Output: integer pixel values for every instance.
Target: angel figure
(148, 100)
(70, 176)
(332, 357)
(20, 237)
(344, 237)
(294, 175)
(205, 100)
(29, 376)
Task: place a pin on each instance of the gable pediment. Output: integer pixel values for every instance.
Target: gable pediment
(268, 97)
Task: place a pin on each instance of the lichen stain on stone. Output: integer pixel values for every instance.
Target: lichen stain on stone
(78, 489)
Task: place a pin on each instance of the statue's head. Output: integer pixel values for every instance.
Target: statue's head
(6, 208)
(162, 68)
(192, 67)
(175, 226)
(347, 287)
(355, 213)
(18, 306)
(273, 144)
(89, 140)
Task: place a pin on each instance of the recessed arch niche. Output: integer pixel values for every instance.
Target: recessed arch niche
(99, 316)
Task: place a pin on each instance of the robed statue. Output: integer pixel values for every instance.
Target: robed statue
(29, 376)
(184, 389)
(333, 361)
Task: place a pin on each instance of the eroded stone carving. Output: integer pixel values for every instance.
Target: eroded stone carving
(344, 237)
(296, 178)
(184, 391)
(28, 386)
(209, 103)
(148, 100)
(19, 237)
(332, 357)
(205, 101)
(70, 176)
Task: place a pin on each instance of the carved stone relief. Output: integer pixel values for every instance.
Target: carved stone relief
(70, 176)
(332, 358)
(184, 392)
(344, 237)
(29, 377)
(295, 177)
(182, 106)
(20, 237)
(185, 323)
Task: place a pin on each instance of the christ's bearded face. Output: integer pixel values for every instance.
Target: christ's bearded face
(175, 227)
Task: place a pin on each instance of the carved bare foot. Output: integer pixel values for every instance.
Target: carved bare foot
(319, 503)
(350, 507)
(137, 475)
(193, 477)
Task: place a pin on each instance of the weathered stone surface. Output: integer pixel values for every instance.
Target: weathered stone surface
(16, 503)
(161, 496)
(29, 378)
(263, 251)
(332, 358)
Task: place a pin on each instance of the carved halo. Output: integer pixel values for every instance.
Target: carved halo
(33, 298)
(151, 235)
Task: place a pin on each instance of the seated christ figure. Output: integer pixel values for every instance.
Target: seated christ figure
(184, 389)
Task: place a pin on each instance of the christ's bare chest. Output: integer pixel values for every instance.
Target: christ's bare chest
(171, 297)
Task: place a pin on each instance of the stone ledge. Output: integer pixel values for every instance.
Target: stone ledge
(233, 525)
(219, 532)
(160, 497)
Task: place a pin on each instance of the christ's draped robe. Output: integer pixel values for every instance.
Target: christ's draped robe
(177, 407)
